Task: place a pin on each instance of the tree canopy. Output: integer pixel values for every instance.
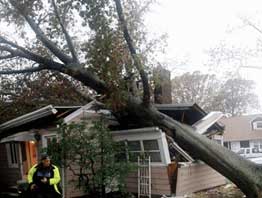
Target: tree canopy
(78, 39)
(231, 96)
(26, 93)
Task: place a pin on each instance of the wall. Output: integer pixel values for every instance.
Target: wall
(8, 176)
(70, 186)
(159, 180)
(197, 177)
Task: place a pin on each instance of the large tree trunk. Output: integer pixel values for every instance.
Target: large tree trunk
(245, 174)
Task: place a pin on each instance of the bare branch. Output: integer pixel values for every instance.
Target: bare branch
(6, 57)
(248, 22)
(49, 64)
(22, 71)
(42, 37)
(137, 61)
(12, 44)
(67, 36)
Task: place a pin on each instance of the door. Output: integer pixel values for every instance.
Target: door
(29, 156)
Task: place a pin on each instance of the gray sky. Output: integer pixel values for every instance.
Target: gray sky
(195, 26)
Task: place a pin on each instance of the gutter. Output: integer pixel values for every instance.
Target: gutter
(45, 111)
(202, 125)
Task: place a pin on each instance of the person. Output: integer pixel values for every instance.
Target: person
(43, 179)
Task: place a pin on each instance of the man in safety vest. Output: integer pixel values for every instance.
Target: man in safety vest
(43, 179)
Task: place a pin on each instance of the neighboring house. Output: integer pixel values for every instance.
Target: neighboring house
(243, 134)
(173, 170)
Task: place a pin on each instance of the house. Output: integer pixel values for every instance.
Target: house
(243, 134)
(24, 136)
(173, 171)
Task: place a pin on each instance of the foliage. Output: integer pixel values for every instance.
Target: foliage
(25, 93)
(101, 47)
(234, 96)
(59, 46)
(91, 148)
(195, 87)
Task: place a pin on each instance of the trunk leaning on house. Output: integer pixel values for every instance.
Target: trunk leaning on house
(246, 175)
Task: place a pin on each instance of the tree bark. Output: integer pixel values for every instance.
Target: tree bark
(245, 174)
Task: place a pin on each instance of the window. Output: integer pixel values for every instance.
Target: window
(227, 145)
(257, 125)
(257, 146)
(151, 148)
(121, 154)
(134, 149)
(12, 154)
(47, 139)
(244, 144)
(144, 147)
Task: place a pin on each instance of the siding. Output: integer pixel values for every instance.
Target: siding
(240, 128)
(71, 181)
(160, 181)
(197, 177)
(8, 176)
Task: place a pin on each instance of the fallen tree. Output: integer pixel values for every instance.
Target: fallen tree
(125, 101)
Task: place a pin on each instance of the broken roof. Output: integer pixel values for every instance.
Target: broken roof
(40, 118)
(186, 113)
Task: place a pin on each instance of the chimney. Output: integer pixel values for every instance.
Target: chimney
(162, 82)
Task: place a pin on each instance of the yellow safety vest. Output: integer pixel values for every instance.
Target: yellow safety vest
(53, 181)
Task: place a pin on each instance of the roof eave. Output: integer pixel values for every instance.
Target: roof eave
(45, 111)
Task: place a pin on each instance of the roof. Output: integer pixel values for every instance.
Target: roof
(37, 119)
(189, 114)
(239, 128)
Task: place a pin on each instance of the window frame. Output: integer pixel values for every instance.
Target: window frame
(142, 149)
(13, 148)
(241, 146)
(146, 134)
(255, 125)
(44, 138)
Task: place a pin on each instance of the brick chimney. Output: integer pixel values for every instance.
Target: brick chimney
(162, 82)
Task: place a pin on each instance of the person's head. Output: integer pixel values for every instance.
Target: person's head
(45, 160)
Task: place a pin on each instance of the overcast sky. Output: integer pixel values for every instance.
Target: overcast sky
(195, 26)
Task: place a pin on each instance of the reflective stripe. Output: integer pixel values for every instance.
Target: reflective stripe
(31, 174)
(56, 189)
(54, 181)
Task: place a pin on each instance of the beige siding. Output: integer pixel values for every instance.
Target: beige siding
(160, 181)
(239, 128)
(71, 182)
(9, 176)
(197, 177)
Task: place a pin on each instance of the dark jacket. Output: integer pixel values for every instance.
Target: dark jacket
(38, 172)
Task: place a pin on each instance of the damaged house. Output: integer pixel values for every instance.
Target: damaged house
(172, 170)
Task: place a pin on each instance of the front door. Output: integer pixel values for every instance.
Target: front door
(29, 156)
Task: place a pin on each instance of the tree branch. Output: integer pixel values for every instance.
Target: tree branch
(6, 57)
(41, 36)
(12, 44)
(137, 61)
(252, 25)
(67, 36)
(23, 53)
(22, 71)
